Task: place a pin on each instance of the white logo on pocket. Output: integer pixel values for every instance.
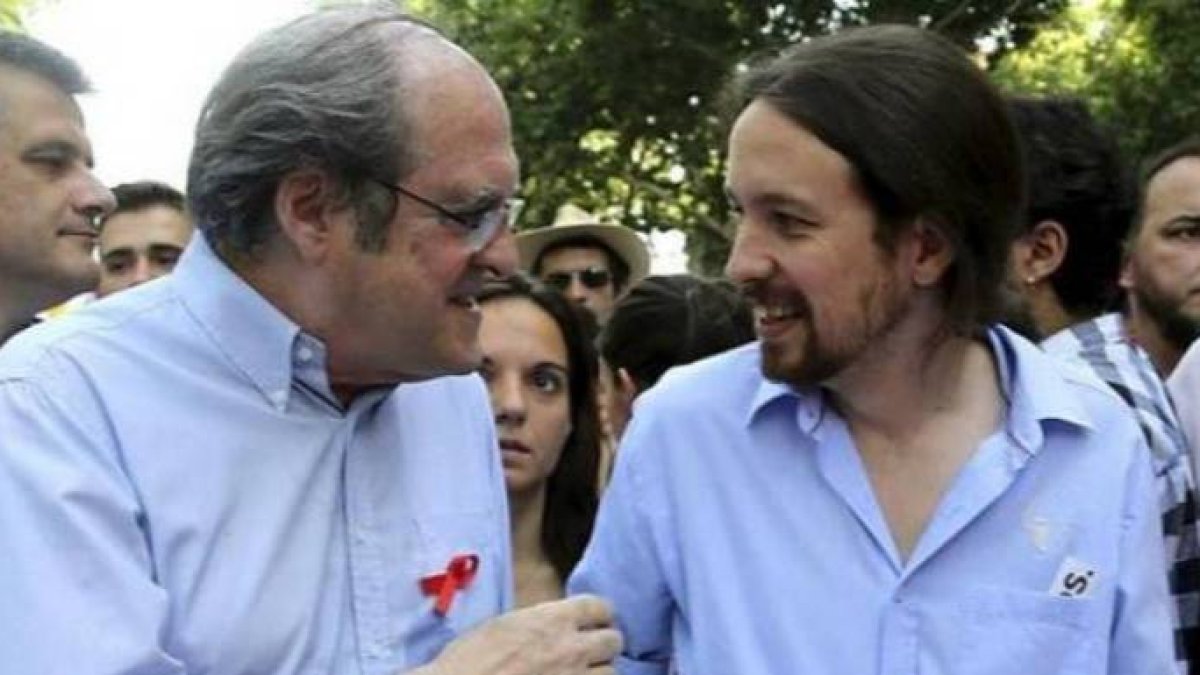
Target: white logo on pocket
(1075, 579)
(1039, 531)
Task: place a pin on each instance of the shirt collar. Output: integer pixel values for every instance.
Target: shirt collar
(1032, 386)
(256, 337)
(1035, 389)
(1091, 334)
(809, 402)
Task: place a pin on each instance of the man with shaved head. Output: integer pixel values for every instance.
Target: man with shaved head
(277, 459)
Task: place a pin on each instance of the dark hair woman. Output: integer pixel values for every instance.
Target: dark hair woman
(540, 368)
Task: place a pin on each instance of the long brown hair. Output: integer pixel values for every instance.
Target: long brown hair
(571, 496)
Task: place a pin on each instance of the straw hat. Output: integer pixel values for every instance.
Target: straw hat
(572, 222)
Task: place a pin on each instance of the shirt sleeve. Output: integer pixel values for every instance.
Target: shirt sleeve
(76, 572)
(622, 562)
(1141, 633)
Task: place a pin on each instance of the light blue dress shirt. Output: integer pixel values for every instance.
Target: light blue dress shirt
(179, 493)
(741, 535)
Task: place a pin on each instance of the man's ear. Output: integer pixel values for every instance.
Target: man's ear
(306, 213)
(1041, 251)
(930, 251)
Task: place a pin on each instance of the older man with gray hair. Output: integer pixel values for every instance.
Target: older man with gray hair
(276, 460)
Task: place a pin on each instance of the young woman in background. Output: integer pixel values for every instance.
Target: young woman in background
(540, 368)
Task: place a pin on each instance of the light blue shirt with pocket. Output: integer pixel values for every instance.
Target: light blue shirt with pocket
(181, 493)
(740, 534)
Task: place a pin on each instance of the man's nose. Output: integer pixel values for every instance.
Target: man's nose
(499, 256)
(143, 270)
(576, 290)
(749, 258)
(94, 200)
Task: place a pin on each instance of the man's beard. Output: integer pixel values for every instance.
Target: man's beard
(1176, 327)
(880, 310)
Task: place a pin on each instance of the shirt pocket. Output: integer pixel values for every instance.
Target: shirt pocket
(995, 631)
(440, 540)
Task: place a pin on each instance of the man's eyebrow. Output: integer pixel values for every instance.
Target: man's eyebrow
(774, 200)
(1185, 219)
(122, 251)
(481, 198)
(61, 148)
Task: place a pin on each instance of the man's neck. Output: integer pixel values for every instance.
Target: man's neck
(14, 317)
(1145, 332)
(1049, 315)
(8, 328)
(917, 376)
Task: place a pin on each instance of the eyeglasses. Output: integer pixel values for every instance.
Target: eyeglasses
(591, 277)
(479, 227)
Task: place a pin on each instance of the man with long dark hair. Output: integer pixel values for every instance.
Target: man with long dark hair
(888, 481)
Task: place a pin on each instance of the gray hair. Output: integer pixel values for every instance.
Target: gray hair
(34, 56)
(319, 93)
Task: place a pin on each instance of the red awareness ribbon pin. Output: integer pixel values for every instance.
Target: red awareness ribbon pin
(458, 575)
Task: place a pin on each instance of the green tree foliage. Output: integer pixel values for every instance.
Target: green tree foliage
(11, 12)
(615, 102)
(1136, 61)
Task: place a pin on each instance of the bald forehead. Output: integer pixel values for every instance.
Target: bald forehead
(1175, 185)
(424, 58)
(439, 82)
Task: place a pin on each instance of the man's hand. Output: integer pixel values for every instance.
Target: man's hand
(568, 637)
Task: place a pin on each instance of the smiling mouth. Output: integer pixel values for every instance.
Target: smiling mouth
(776, 313)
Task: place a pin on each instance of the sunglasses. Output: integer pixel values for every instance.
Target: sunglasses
(591, 277)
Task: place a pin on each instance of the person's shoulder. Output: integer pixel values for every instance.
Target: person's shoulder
(75, 333)
(1054, 387)
(1062, 371)
(1098, 345)
(1097, 356)
(462, 398)
(721, 379)
(452, 387)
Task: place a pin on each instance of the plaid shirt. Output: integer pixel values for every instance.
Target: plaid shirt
(1103, 347)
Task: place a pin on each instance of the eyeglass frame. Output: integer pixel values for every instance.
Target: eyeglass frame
(478, 234)
(569, 276)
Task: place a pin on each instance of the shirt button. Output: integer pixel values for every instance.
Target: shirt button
(304, 354)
